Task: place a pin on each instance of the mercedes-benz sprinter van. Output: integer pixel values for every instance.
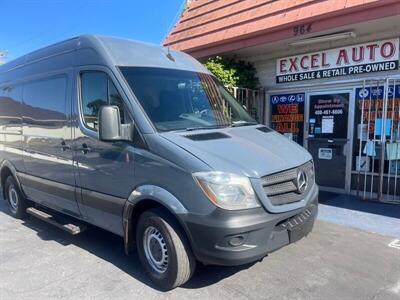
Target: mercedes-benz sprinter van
(144, 142)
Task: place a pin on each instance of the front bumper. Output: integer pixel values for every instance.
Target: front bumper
(240, 237)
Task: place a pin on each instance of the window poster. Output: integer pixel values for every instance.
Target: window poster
(369, 111)
(328, 116)
(287, 115)
(373, 125)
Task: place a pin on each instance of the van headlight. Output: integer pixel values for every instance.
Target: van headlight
(226, 190)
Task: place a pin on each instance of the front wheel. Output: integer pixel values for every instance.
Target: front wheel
(163, 249)
(16, 201)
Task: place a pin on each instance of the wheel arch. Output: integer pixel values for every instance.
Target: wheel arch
(6, 169)
(146, 197)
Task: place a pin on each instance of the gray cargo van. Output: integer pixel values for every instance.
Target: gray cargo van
(144, 142)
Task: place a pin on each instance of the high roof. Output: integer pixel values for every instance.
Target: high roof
(209, 27)
(108, 50)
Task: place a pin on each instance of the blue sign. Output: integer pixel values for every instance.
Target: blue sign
(288, 98)
(377, 92)
(378, 127)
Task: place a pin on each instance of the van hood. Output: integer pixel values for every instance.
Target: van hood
(243, 150)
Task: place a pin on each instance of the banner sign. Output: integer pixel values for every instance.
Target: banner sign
(287, 115)
(359, 59)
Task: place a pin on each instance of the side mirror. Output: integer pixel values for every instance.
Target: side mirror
(110, 127)
(109, 123)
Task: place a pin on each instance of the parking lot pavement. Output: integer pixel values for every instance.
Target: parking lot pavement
(38, 261)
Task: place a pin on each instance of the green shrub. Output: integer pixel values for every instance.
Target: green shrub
(232, 72)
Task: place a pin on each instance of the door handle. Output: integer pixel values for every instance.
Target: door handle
(84, 148)
(64, 146)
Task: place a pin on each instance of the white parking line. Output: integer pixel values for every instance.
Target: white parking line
(395, 244)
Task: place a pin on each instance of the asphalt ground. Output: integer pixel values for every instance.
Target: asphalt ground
(38, 261)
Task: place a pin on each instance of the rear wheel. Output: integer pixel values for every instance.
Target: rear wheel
(163, 249)
(16, 201)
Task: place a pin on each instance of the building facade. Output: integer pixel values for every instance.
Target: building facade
(330, 70)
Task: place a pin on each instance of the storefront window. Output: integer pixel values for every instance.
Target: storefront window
(370, 124)
(287, 115)
(377, 130)
(328, 116)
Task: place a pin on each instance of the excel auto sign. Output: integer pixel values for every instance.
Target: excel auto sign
(352, 60)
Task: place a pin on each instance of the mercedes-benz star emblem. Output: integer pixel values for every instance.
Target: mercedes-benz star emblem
(301, 182)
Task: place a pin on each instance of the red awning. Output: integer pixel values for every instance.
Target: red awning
(209, 27)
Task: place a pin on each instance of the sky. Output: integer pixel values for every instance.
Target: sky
(27, 25)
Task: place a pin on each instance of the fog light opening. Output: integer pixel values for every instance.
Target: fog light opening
(237, 240)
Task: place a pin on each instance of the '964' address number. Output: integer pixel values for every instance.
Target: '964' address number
(302, 29)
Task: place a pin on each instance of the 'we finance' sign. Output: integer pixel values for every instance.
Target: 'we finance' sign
(359, 59)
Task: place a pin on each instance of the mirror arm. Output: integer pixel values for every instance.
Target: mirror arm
(127, 132)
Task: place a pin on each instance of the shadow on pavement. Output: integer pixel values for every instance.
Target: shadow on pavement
(208, 275)
(109, 247)
(357, 204)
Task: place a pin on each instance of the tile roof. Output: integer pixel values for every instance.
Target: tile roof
(206, 23)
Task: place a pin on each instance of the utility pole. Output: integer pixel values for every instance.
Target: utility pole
(3, 56)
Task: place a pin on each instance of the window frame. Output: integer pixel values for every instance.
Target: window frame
(44, 77)
(78, 75)
(81, 98)
(6, 89)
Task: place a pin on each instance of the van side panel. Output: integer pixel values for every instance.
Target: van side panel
(49, 177)
(36, 133)
(11, 125)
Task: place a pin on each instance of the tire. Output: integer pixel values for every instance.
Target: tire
(16, 202)
(164, 250)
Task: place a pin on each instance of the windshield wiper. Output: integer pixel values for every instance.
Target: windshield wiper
(205, 127)
(233, 124)
(242, 123)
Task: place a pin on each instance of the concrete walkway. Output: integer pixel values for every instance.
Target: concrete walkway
(370, 216)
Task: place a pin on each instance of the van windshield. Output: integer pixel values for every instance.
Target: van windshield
(184, 100)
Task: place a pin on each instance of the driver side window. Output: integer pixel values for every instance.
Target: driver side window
(97, 90)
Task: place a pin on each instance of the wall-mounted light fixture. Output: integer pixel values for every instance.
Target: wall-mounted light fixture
(325, 38)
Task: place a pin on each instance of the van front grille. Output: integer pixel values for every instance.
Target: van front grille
(283, 187)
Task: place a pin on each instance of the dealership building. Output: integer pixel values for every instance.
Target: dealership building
(329, 72)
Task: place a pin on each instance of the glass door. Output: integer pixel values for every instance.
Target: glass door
(327, 137)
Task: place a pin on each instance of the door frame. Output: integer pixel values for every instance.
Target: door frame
(103, 202)
(350, 131)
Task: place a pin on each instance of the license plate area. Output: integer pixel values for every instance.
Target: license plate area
(301, 231)
(300, 225)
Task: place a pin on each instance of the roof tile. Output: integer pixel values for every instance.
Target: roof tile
(209, 22)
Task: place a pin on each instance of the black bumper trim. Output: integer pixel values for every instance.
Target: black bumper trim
(263, 233)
